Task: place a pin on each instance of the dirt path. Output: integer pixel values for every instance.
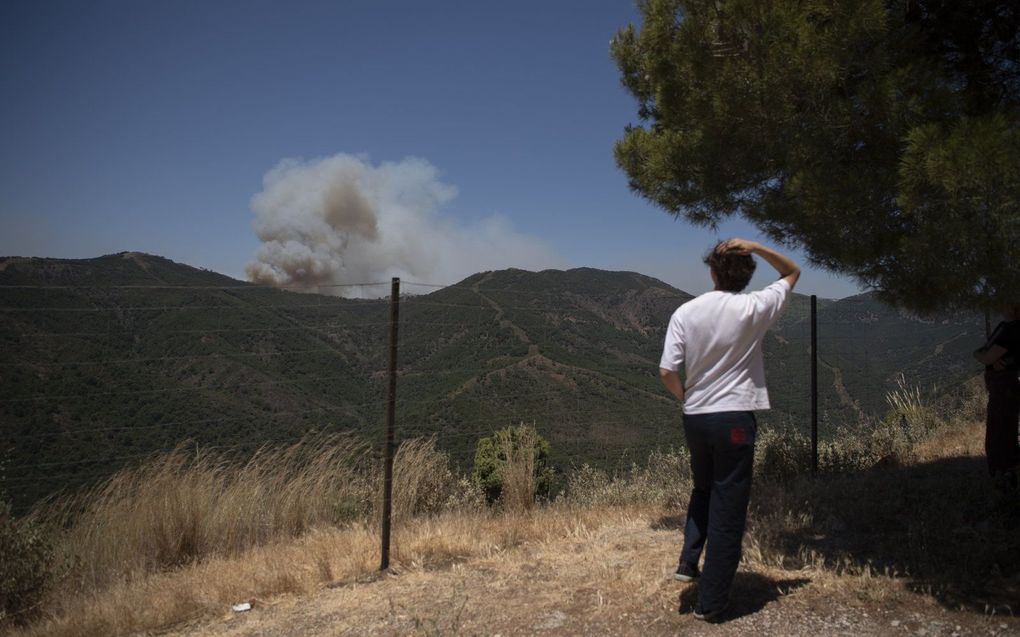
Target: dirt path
(521, 335)
(616, 580)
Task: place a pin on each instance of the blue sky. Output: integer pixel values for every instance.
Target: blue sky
(149, 126)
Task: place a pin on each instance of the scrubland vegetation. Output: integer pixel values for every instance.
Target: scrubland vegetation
(187, 533)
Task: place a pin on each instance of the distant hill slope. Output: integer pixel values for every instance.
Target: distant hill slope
(107, 360)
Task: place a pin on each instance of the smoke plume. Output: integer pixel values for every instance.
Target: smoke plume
(340, 220)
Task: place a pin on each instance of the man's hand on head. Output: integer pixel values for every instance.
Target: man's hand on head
(737, 246)
(787, 269)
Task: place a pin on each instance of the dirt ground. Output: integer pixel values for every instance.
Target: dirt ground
(616, 580)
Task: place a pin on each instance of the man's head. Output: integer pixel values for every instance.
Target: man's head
(731, 271)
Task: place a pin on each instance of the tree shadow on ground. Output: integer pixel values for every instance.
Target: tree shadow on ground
(750, 593)
(938, 524)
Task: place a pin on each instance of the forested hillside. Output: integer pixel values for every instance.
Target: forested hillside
(107, 360)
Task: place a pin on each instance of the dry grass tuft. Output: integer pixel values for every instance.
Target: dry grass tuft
(915, 428)
(909, 499)
(664, 480)
(184, 506)
(518, 471)
(208, 587)
(423, 483)
(187, 534)
(323, 556)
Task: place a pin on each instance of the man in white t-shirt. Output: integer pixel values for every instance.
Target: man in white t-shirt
(717, 339)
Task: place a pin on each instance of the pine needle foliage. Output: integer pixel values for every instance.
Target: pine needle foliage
(881, 137)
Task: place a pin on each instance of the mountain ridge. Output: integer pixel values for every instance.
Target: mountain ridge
(109, 359)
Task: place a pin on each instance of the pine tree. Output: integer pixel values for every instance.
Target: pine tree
(880, 136)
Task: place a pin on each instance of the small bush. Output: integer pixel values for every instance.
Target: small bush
(913, 417)
(512, 465)
(464, 495)
(970, 401)
(665, 479)
(423, 483)
(588, 486)
(911, 411)
(25, 565)
(781, 455)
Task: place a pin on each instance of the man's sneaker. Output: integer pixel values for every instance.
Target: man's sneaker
(687, 571)
(708, 615)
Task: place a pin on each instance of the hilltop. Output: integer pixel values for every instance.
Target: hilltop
(107, 360)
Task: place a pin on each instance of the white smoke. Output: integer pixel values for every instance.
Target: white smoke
(340, 219)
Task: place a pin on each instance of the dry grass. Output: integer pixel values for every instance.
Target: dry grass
(909, 499)
(518, 472)
(323, 556)
(185, 535)
(184, 506)
(663, 481)
(423, 483)
(208, 587)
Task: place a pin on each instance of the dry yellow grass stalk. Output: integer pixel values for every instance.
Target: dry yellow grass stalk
(187, 534)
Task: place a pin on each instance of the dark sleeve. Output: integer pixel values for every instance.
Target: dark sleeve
(1009, 338)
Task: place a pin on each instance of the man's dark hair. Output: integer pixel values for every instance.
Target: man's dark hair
(732, 271)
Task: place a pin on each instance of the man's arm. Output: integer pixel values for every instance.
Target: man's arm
(788, 270)
(990, 355)
(672, 382)
(1000, 344)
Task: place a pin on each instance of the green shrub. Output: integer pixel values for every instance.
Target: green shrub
(781, 455)
(25, 565)
(513, 463)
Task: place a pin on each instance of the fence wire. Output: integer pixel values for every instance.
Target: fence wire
(95, 378)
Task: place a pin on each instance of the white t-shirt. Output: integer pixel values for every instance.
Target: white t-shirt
(717, 338)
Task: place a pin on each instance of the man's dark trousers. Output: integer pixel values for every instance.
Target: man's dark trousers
(722, 458)
(1001, 421)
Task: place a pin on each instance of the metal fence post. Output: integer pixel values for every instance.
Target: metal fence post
(814, 384)
(390, 417)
